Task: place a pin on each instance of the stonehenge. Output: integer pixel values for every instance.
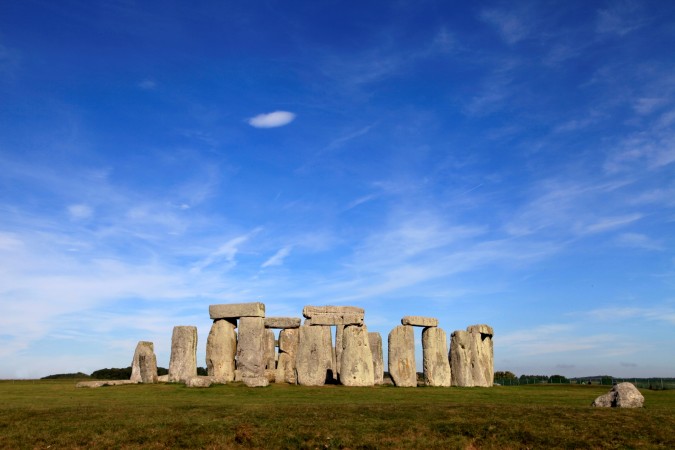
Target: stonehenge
(144, 364)
(333, 345)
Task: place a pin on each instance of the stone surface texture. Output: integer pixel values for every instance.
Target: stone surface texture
(312, 356)
(402, 356)
(375, 342)
(357, 359)
(419, 321)
(256, 381)
(482, 355)
(221, 350)
(199, 382)
(144, 364)
(460, 359)
(270, 350)
(251, 347)
(282, 322)
(622, 395)
(288, 348)
(236, 310)
(183, 361)
(333, 315)
(435, 354)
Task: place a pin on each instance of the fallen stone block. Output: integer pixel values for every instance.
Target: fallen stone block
(419, 321)
(199, 382)
(256, 381)
(282, 322)
(236, 310)
(622, 395)
(101, 383)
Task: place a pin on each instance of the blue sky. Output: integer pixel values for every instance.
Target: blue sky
(508, 163)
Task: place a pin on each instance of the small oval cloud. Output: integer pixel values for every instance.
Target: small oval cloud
(272, 120)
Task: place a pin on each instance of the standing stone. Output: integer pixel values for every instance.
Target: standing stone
(251, 348)
(331, 365)
(482, 355)
(288, 349)
(375, 342)
(236, 310)
(270, 353)
(339, 330)
(357, 359)
(221, 349)
(402, 356)
(312, 357)
(183, 362)
(435, 353)
(144, 364)
(460, 359)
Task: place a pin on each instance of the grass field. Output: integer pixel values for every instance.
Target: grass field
(54, 414)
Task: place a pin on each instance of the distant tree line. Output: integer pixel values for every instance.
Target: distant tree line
(114, 373)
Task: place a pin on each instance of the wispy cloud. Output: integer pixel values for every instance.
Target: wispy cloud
(80, 211)
(226, 252)
(278, 258)
(272, 120)
(638, 240)
(621, 18)
(512, 25)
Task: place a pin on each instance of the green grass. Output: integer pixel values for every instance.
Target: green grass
(54, 414)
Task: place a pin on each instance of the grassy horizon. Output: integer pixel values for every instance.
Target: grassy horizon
(55, 414)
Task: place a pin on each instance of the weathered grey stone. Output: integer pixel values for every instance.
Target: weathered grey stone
(285, 372)
(339, 330)
(482, 355)
(312, 356)
(622, 395)
(270, 350)
(236, 310)
(435, 355)
(333, 315)
(221, 349)
(256, 381)
(288, 341)
(282, 322)
(460, 359)
(144, 364)
(375, 342)
(331, 365)
(402, 356)
(183, 362)
(199, 382)
(100, 383)
(419, 321)
(251, 347)
(163, 378)
(357, 359)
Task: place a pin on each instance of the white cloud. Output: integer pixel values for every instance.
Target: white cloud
(637, 240)
(278, 258)
(272, 120)
(226, 252)
(80, 211)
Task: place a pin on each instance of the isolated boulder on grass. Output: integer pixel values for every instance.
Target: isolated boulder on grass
(622, 395)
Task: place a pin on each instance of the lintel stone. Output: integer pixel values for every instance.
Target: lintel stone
(282, 322)
(236, 310)
(419, 321)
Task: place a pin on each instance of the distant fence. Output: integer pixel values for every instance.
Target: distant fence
(643, 383)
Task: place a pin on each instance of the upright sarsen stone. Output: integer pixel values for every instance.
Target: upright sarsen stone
(144, 364)
(221, 349)
(402, 356)
(460, 359)
(356, 367)
(313, 356)
(251, 347)
(482, 355)
(435, 354)
(375, 342)
(270, 353)
(183, 362)
(288, 349)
